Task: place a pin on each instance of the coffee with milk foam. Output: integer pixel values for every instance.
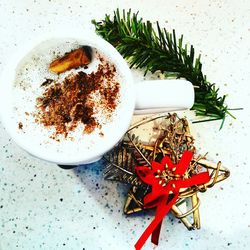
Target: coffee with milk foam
(31, 72)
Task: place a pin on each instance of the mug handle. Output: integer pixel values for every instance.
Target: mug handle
(155, 96)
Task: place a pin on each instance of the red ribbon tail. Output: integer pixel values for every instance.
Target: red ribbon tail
(162, 210)
(156, 234)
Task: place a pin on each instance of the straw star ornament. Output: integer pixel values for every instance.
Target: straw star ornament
(164, 173)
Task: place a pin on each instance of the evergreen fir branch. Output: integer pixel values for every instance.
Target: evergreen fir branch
(156, 49)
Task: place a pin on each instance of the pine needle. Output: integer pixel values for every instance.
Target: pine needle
(156, 49)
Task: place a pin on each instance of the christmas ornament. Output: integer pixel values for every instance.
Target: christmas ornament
(164, 172)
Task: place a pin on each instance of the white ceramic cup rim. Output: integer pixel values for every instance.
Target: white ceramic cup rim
(8, 77)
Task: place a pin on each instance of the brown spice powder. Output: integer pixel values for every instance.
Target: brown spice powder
(20, 125)
(64, 105)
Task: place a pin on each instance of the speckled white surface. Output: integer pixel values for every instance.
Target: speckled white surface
(44, 207)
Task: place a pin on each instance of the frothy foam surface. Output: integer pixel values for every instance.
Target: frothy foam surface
(31, 72)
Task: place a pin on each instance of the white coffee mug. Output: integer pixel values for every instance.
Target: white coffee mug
(136, 98)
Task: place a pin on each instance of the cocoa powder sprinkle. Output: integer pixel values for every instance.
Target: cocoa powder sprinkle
(66, 104)
(20, 125)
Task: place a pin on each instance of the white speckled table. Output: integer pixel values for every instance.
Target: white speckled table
(45, 207)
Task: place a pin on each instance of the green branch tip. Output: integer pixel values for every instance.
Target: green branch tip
(155, 49)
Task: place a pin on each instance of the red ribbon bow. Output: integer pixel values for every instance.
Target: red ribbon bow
(166, 180)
